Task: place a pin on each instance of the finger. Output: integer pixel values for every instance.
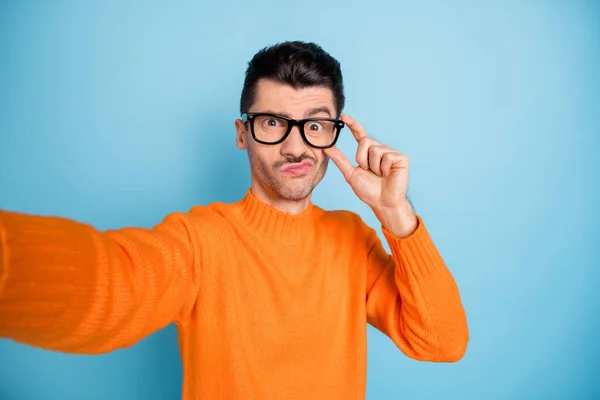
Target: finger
(341, 161)
(362, 153)
(357, 130)
(375, 157)
(387, 160)
(363, 157)
(391, 160)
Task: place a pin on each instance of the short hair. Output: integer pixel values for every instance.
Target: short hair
(295, 63)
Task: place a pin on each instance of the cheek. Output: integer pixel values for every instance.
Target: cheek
(321, 159)
(260, 156)
(322, 162)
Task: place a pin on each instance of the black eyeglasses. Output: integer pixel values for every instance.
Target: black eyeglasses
(320, 133)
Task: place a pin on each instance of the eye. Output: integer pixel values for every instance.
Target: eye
(272, 122)
(315, 126)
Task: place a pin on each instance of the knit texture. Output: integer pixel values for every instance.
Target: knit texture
(267, 305)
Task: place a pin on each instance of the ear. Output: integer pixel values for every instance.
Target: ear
(241, 135)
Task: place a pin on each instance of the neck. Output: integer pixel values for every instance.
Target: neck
(292, 207)
(276, 225)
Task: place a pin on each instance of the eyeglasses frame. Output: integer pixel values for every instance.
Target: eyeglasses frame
(251, 116)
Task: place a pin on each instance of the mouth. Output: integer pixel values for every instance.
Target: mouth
(297, 169)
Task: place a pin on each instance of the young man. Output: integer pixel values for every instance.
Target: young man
(271, 295)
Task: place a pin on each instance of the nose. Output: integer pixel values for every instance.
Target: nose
(293, 145)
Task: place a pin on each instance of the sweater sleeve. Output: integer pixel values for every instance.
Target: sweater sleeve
(68, 287)
(413, 298)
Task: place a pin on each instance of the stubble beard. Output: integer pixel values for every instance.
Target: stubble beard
(290, 189)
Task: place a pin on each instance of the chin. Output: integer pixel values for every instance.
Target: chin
(294, 192)
(296, 189)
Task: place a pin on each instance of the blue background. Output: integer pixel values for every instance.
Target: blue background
(118, 114)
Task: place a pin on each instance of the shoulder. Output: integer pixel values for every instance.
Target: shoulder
(198, 220)
(345, 220)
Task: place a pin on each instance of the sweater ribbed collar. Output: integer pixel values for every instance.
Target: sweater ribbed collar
(275, 225)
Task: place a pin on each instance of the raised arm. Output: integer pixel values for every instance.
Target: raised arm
(411, 295)
(413, 298)
(68, 287)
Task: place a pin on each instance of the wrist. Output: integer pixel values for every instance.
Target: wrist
(401, 221)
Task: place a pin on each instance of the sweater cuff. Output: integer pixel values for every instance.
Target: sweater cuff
(416, 255)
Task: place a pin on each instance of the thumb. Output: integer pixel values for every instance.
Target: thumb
(341, 161)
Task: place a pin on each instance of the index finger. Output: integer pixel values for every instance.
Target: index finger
(357, 130)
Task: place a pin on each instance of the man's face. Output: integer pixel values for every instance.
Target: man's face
(272, 166)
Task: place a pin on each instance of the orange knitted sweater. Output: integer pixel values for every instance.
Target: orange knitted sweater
(267, 305)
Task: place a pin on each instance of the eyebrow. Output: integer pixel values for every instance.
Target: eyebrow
(318, 110)
(308, 114)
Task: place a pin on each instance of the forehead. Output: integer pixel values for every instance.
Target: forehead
(282, 98)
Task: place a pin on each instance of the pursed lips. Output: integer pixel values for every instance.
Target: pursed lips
(286, 167)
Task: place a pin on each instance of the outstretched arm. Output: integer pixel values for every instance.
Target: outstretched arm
(65, 286)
